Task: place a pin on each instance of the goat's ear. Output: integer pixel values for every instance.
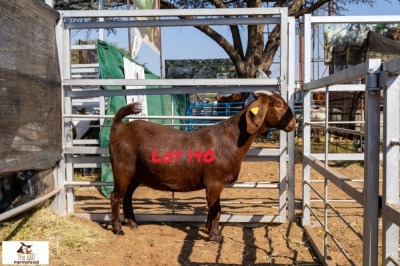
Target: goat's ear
(255, 114)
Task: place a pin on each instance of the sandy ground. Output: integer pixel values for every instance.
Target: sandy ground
(183, 243)
(188, 244)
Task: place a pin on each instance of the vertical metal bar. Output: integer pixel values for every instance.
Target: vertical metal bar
(291, 95)
(326, 201)
(371, 162)
(66, 74)
(102, 108)
(391, 131)
(282, 176)
(69, 167)
(306, 119)
(58, 205)
(284, 93)
(101, 31)
(128, 6)
(326, 125)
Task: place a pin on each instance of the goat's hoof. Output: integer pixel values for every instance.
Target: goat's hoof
(131, 224)
(217, 238)
(118, 232)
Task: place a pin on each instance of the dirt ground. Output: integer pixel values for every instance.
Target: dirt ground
(187, 243)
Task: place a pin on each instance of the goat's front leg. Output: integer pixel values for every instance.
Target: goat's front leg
(214, 213)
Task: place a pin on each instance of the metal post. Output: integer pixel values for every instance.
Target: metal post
(283, 135)
(306, 119)
(371, 162)
(101, 31)
(326, 181)
(291, 144)
(391, 131)
(58, 205)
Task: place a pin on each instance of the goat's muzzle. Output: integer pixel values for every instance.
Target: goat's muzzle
(291, 126)
(287, 121)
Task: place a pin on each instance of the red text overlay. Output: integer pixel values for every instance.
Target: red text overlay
(191, 156)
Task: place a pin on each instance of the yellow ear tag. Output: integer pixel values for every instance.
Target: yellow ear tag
(254, 110)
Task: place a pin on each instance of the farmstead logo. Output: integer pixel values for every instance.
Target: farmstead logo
(25, 253)
(191, 156)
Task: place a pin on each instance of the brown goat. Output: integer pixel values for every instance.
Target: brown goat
(172, 160)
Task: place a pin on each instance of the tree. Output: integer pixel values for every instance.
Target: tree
(260, 52)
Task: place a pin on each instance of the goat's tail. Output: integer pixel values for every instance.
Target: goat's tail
(130, 109)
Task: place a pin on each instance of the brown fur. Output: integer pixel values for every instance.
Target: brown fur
(133, 144)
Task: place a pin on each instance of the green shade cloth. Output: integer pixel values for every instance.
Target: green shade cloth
(111, 65)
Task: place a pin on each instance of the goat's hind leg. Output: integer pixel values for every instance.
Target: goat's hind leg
(121, 185)
(127, 204)
(115, 199)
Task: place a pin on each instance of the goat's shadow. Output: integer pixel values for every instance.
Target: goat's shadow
(195, 232)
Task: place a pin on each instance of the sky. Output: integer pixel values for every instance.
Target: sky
(189, 43)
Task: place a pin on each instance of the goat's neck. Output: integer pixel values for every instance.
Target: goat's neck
(236, 127)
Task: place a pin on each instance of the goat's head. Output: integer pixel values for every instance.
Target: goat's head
(269, 110)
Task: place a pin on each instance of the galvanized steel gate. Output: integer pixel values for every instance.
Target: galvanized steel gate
(380, 77)
(77, 89)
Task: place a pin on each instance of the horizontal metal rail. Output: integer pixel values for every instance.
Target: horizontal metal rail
(339, 156)
(347, 75)
(173, 12)
(340, 247)
(170, 23)
(346, 184)
(84, 47)
(171, 82)
(392, 66)
(105, 150)
(392, 212)
(261, 185)
(342, 87)
(334, 129)
(314, 214)
(353, 19)
(180, 90)
(345, 130)
(335, 200)
(395, 142)
(344, 220)
(390, 258)
(20, 209)
(77, 117)
(192, 218)
(314, 189)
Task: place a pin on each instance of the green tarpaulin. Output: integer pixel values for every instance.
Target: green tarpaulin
(111, 66)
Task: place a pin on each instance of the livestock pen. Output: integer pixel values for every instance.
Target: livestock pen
(80, 87)
(75, 89)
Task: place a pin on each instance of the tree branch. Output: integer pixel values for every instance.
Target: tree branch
(218, 38)
(237, 40)
(298, 13)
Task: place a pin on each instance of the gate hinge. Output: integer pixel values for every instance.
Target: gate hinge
(376, 80)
